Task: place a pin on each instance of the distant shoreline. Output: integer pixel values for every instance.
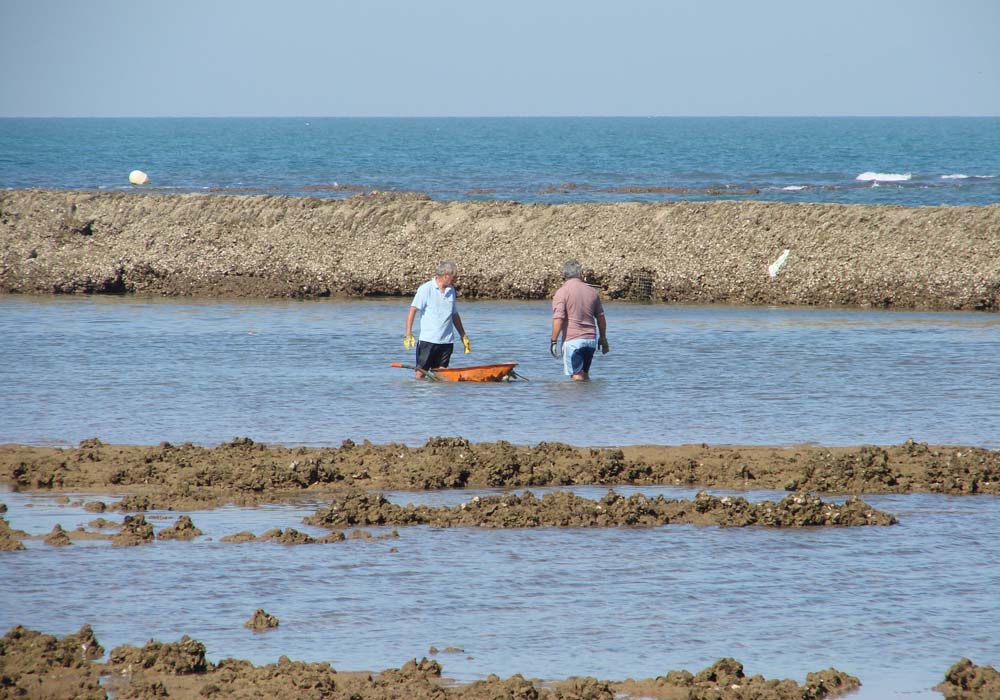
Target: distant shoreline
(718, 252)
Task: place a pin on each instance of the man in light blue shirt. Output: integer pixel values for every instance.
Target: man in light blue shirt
(435, 300)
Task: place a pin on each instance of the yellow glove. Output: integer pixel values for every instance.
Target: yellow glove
(467, 344)
(408, 342)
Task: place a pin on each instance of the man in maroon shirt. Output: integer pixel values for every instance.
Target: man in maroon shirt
(577, 315)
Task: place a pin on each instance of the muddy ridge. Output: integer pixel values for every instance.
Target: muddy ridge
(185, 477)
(387, 244)
(967, 681)
(564, 509)
(35, 665)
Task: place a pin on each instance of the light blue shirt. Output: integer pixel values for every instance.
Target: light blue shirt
(436, 309)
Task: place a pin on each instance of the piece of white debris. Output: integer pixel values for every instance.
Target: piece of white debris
(775, 267)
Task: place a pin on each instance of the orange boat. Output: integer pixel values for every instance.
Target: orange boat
(478, 373)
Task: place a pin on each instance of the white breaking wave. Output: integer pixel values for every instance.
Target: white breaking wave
(956, 176)
(883, 177)
(794, 188)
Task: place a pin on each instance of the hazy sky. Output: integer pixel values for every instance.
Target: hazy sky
(514, 57)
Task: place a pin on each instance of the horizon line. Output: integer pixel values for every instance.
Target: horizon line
(507, 116)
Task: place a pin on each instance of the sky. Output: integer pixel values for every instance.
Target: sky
(83, 58)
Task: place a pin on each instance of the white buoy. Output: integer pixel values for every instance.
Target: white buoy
(775, 267)
(137, 177)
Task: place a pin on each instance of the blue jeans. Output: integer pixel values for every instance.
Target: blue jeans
(578, 354)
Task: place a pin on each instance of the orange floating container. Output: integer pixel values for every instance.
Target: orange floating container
(478, 373)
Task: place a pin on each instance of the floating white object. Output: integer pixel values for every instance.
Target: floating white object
(773, 268)
(137, 177)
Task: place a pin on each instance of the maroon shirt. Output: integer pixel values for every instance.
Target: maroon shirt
(577, 303)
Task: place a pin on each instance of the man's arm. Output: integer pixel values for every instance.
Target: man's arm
(466, 343)
(409, 320)
(558, 325)
(602, 330)
(557, 328)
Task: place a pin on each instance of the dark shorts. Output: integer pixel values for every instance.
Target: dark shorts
(431, 355)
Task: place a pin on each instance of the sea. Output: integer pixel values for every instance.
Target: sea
(910, 161)
(895, 606)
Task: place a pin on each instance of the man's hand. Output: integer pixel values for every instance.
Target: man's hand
(467, 344)
(408, 342)
(605, 348)
(554, 348)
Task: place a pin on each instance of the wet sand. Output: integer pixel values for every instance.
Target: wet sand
(188, 477)
(35, 665)
(356, 508)
(568, 510)
(388, 243)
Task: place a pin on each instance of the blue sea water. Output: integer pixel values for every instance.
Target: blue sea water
(906, 161)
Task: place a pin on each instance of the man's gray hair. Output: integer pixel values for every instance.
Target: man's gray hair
(446, 267)
(571, 269)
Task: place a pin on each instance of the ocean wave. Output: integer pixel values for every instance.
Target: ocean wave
(883, 177)
(961, 176)
(794, 188)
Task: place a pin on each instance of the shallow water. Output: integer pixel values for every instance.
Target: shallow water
(139, 371)
(895, 606)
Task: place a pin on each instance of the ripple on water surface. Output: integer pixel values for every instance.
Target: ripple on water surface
(895, 606)
(317, 373)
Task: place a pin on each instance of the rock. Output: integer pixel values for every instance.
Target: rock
(261, 620)
(244, 536)
(134, 531)
(183, 529)
(182, 657)
(58, 537)
(967, 681)
(10, 539)
(36, 665)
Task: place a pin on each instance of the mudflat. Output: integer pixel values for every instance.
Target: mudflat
(242, 471)
(37, 665)
(388, 243)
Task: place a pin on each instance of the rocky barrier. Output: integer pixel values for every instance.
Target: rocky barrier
(387, 244)
(34, 665)
(565, 509)
(186, 477)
